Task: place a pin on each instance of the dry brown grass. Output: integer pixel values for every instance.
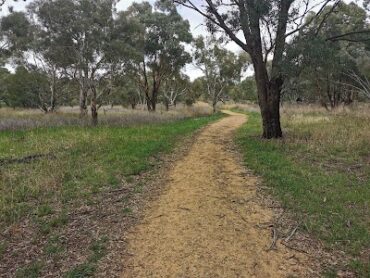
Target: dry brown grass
(17, 119)
(342, 133)
(245, 107)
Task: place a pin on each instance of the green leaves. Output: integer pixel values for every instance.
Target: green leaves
(16, 34)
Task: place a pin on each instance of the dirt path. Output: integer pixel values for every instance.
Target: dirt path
(205, 222)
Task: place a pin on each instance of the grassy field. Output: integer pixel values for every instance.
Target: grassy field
(320, 172)
(50, 174)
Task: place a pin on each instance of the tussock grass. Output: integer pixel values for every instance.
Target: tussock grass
(320, 171)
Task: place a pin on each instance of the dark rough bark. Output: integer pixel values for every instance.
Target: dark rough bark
(269, 102)
(149, 105)
(271, 114)
(269, 92)
(154, 103)
(152, 99)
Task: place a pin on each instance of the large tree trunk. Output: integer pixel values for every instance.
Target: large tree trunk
(269, 101)
(151, 101)
(269, 86)
(154, 103)
(149, 104)
(271, 113)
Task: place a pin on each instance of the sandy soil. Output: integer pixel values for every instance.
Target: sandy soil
(207, 222)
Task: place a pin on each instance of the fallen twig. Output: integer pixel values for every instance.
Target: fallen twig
(274, 239)
(120, 190)
(295, 249)
(287, 239)
(264, 225)
(182, 208)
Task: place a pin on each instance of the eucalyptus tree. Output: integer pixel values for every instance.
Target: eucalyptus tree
(222, 68)
(80, 38)
(262, 28)
(174, 88)
(245, 91)
(163, 35)
(125, 92)
(15, 36)
(24, 88)
(323, 60)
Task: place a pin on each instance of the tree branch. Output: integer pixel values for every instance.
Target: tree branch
(343, 36)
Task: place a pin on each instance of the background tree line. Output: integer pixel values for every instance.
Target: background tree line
(86, 53)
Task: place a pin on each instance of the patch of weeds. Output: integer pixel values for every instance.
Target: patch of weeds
(54, 246)
(3, 247)
(89, 201)
(80, 271)
(361, 268)
(113, 181)
(125, 199)
(31, 271)
(15, 212)
(87, 269)
(329, 273)
(129, 179)
(127, 210)
(46, 226)
(44, 210)
(98, 249)
(95, 189)
(68, 195)
(139, 187)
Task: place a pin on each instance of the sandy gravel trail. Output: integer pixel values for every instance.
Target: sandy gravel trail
(205, 224)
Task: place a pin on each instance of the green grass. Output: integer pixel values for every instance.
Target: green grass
(78, 162)
(87, 269)
(72, 166)
(2, 248)
(319, 172)
(33, 270)
(54, 246)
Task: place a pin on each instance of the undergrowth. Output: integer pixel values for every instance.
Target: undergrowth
(321, 172)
